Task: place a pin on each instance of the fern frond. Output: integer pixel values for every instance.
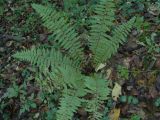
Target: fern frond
(69, 105)
(63, 33)
(102, 45)
(101, 23)
(108, 45)
(73, 89)
(98, 87)
(52, 64)
(44, 58)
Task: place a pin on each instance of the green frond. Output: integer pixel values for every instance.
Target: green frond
(108, 46)
(68, 106)
(44, 58)
(49, 61)
(102, 45)
(101, 23)
(63, 33)
(98, 87)
(93, 107)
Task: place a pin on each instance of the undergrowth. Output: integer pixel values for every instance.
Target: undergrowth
(60, 65)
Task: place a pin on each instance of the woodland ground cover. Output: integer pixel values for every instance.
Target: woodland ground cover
(133, 72)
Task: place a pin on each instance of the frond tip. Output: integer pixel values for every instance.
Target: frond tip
(104, 46)
(63, 33)
(69, 105)
(98, 87)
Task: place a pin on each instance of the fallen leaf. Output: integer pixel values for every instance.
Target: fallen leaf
(109, 72)
(140, 82)
(116, 91)
(9, 43)
(36, 115)
(126, 62)
(114, 114)
(100, 66)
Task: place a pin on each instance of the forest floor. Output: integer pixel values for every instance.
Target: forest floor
(135, 68)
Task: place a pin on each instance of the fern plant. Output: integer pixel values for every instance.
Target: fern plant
(59, 68)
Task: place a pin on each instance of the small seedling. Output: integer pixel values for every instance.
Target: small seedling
(157, 102)
(129, 99)
(135, 117)
(123, 72)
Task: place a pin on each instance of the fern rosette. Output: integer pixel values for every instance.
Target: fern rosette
(60, 65)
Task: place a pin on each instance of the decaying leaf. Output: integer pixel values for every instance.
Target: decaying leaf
(109, 72)
(116, 91)
(114, 114)
(100, 66)
(126, 62)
